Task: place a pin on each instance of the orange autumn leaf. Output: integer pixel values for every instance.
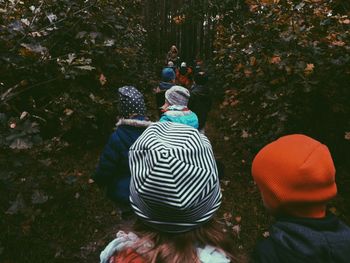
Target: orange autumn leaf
(309, 68)
(102, 79)
(275, 59)
(338, 43)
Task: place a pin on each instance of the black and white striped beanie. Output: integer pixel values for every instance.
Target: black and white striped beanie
(174, 180)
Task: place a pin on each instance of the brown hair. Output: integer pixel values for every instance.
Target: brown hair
(181, 248)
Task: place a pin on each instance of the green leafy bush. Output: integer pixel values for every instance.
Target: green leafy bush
(287, 65)
(62, 60)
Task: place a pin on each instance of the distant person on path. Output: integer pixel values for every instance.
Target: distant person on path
(167, 81)
(175, 107)
(184, 75)
(113, 171)
(172, 65)
(173, 55)
(200, 100)
(175, 197)
(296, 177)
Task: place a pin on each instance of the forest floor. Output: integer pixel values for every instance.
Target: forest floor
(54, 213)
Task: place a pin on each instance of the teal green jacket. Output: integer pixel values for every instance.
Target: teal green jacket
(180, 114)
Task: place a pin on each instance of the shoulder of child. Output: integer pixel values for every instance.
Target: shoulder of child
(123, 240)
(210, 254)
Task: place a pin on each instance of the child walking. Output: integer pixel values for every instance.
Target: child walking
(296, 177)
(175, 107)
(113, 171)
(174, 193)
(200, 100)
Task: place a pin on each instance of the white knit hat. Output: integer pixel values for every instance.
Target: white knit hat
(174, 181)
(177, 95)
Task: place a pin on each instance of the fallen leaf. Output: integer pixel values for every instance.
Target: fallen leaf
(245, 134)
(275, 59)
(23, 115)
(338, 43)
(102, 79)
(266, 234)
(309, 68)
(252, 61)
(16, 206)
(68, 112)
(227, 216)
(236, 229)
(334, 210)
(345, 21)
(347, 136)
(247, 72)
(86, 67)
(225, 182)
(39, 197)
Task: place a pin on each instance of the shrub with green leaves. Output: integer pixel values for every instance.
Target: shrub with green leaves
(62, 61)
(290, 64)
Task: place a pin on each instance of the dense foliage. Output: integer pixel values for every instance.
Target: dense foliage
(60, 61)
(286, 68)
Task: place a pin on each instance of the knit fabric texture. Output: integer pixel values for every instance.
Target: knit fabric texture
(174, 180)
(177, 95)
(295, 175)
(168, 74)
(131, 102)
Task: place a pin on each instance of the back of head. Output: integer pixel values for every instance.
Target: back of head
(201, 78)
(177, 95)
(168, 74)
(173, 49)
(130, 102)
(174, 182)
(296, 176)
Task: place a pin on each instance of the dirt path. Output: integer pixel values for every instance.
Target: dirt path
(242, 207)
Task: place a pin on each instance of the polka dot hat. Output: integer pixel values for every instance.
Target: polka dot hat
(131, 101)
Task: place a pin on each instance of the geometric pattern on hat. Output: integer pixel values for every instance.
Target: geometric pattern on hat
(131, 101)
(174, 180)
(177, 95)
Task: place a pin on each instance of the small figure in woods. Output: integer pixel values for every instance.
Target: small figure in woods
(173, 55)
(113, 171)
(175, 197)
(172, 65)
(199, 66)
(175, 107)
(184, 75)
(167, 81)
(296, 177)
(200, 100)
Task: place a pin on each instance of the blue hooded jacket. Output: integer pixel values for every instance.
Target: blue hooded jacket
(113, 172)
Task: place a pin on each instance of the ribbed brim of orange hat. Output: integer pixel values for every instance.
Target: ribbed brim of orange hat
(295, 175)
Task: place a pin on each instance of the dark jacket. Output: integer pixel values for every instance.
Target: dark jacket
(160, 95)
(113, 171)
(305, 240)
(200, 103)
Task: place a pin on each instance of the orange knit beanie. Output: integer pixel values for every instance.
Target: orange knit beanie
(296, 176)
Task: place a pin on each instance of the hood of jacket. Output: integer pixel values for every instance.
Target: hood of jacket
(165, 85)
(312, 239)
